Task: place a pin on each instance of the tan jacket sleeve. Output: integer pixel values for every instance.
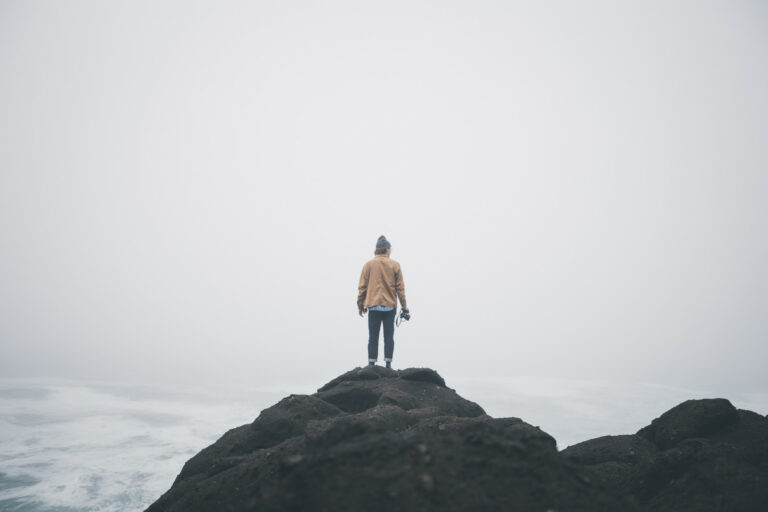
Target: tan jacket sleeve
(400, 287)
(362, 288)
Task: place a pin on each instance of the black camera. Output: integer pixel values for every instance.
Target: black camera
(405, 314)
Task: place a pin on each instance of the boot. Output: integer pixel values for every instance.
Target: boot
(389, 364)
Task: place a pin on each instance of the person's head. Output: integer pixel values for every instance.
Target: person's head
(383, 246)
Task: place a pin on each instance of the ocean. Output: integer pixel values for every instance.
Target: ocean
(70, 446)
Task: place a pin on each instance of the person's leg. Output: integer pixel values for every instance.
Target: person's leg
(374, 326)
(389, 334)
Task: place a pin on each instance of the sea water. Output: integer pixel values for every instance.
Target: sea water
(70, 446)
(77, 446)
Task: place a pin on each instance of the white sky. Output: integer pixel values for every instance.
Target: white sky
(188, 190)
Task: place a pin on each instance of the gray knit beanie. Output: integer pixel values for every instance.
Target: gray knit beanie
(383, 243)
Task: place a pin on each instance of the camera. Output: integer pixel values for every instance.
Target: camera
(405, 314)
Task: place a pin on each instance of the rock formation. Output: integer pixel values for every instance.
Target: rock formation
(702, 455)
(375, 439)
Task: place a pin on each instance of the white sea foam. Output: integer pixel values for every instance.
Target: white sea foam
(97, 447)
(103, 448)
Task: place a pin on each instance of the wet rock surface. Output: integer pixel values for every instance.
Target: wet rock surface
(378, 439)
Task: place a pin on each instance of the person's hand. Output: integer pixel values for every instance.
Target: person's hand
(362, 311)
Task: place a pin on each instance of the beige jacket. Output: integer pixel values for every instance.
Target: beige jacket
(381, 284)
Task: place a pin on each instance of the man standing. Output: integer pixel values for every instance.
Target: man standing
(381, 284)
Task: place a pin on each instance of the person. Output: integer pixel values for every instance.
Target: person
(381, 285)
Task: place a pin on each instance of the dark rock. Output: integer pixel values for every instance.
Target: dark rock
(353, 394)
(376, 439)
(693, 418)
(629, 449)
(613, 460)
(702, 455)
(286, 419)
(379, 440)
(351, 398)
(364, 373)
(422, 375)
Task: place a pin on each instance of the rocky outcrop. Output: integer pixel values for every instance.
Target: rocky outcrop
(702, 455)
(375, 439)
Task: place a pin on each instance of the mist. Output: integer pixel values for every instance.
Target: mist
(189, 190)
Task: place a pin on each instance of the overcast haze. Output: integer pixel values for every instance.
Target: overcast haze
(189, 190)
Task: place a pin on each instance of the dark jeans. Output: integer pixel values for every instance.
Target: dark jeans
(375, 319)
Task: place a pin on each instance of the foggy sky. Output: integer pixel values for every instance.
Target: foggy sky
(189, 190)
